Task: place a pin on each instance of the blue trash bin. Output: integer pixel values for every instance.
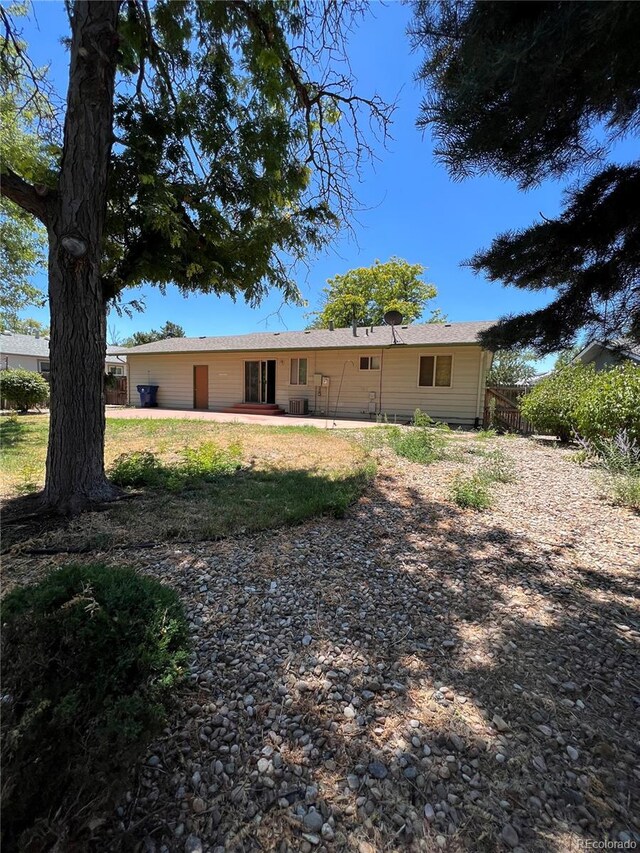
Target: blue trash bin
(148, 396)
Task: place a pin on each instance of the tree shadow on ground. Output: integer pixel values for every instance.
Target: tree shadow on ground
(245, 501)
(491, 677)
(12, 431)
(493, 651)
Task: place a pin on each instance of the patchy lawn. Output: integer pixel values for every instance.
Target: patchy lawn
(286, 475)
(413, 676)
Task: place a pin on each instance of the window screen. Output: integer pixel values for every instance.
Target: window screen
(443, 371)
(298, 371)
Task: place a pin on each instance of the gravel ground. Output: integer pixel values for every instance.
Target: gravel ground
(411, 677)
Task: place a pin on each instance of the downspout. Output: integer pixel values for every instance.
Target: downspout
(481, 388)
(380, 383)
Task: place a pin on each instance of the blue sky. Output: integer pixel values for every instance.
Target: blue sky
(411, 207)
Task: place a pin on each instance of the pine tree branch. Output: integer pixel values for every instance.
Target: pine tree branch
(30, 198)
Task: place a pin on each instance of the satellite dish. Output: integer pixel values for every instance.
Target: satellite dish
(393, 318)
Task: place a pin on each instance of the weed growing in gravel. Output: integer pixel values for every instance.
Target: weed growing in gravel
(498, 468)
(423, 442)
(485, 434)
(619, 459)
(417, 444)
(472, 492)
(625, 490)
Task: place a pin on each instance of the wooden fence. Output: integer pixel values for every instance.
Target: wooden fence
(501, 409)
(116, 391)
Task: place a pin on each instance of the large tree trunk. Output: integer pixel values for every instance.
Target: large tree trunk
(75, 458)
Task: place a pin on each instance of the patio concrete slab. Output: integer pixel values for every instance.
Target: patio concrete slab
(229, 418)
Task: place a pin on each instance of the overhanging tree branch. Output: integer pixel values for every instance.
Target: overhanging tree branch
(30, 198)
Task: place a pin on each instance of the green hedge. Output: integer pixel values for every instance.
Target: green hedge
(579, 400)
(611, 404)
(23, 389)
(89, 660)
(551, 406)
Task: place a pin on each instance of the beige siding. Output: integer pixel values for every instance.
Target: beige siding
(26, 362)
(392, 391)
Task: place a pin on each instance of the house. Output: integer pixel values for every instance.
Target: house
(603, 355)
(353, 373)
(31, 352)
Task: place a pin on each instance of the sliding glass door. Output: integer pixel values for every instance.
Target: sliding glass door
(260, 381)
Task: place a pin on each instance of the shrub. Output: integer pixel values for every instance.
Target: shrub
(137, 468)
(619, 455)
(197, 465)
(472, 492)
(23, 389)
(551, 405)
(90, 658)
(610, 404)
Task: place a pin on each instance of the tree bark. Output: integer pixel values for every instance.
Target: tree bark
(75, 475)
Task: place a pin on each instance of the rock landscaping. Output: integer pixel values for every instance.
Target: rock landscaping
(412, 677)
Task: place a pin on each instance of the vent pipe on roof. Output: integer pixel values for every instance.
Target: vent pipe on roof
(331, 326)
(354, 328)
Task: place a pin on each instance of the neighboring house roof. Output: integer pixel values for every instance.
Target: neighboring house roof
(419, 334)
(13, 343)
(622, 348)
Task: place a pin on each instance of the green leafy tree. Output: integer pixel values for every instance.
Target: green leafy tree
(511, 367)
(23, 389)
(169, 330)
(23, 239)
(531, 91)
(21, 256)
(27, 326)
(228, 145)
(364, 295)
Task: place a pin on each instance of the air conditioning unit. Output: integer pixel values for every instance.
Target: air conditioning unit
(299, 406)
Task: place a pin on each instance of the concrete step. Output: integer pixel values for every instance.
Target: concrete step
(255, 409)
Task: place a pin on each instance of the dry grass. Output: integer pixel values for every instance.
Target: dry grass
(287, 474)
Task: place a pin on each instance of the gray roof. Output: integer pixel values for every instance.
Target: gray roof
(622, 347)
(419, 334)
(13, 343)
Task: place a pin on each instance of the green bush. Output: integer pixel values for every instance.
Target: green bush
(89, 660)
(137, 468)
(197, 465)
(23, 389)
(551, 406)
(610, 404)
(472, 492)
